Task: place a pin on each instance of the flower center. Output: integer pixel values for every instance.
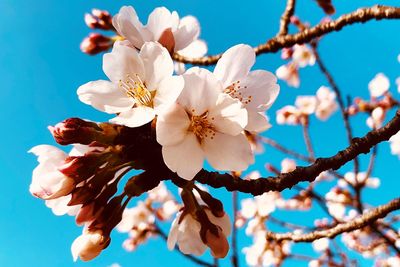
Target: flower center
(201, 127)
(137, 90)
(234, 90)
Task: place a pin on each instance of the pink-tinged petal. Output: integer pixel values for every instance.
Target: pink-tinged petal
(173, 233)
(157, 64)
(121, 62)
(105, 96)
(187, 32)
(228, 116)
(176, 157)
(160, 20)
(200, 92)
(59, 206)
(197, 48)
(172, 126)
(135, 117)
(224, 222)
(127, 23)
(235, 64)
(262, 88)
(48, 152)
(226, 152)
(189, 240)
(168, 91)
(258, 122)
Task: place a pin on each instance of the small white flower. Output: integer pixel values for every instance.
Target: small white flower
(303, 55)
(379, 85)
(306, 104)
(141, 84)
(203, 123)
(256, 90)
(162, 26)
(59, 206)
(376, 119)
(321, 244)
(326, 103)
(290, 74)
(139, 217)
(47, 181)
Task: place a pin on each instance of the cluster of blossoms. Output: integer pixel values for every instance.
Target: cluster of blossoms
(323, 105)
(161, 120)
(380, 102)
(300, 56)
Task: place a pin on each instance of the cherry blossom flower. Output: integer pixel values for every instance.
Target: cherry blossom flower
(89, 245)
(306, 104)
(185, 232)
(326, 103)
(288, 115)
(59, 206)
(288, 165)
(203, 124)
(321, 244)
(379, 85)
(162, 26)
(289, 73)
(256, 90)
(138, 217)
(303, 55)
(47, 181)
(262, 205)
(395, 144)
(141, 84)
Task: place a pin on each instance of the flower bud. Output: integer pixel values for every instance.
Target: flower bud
(96, 43)
(167, 40)
(89, 245)
(99, 19)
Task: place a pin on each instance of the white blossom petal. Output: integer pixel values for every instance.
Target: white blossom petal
(135, 117)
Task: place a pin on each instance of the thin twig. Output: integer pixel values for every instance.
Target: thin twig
(340, 100)
(366, 219)
(285, 18)
(277, 43)
(307, 140)
(234, 257)
(285, 150)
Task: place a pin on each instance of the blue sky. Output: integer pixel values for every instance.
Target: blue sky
(41, 67)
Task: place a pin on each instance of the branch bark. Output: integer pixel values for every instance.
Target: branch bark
(302, 174)
(285, 18)
(361, 15)
(366, 219)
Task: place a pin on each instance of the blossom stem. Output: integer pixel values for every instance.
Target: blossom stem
(362, 15)
(285, 18)
(302, 174)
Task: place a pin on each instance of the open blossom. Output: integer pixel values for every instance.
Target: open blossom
(203, 123)
(59, 206)
(303, 55)
(262, 205)
(141, 84)
(306, 104)
(289, 73)
(361, 178)
(47, 181)
(256, 90)
(379, 85)
(395, 144)
(163, 26)
(185, 232)
(326, 103)
(89, 245)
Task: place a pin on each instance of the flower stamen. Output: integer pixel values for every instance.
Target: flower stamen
(201, 127)
(234, 91)
(137, 90)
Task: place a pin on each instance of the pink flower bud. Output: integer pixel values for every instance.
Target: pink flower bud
(96, 43)
(167, 40)
(99, 19)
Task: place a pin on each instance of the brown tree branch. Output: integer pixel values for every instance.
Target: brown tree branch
(302, 174)
(285, 18)
(366, 219)
(275, 44)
